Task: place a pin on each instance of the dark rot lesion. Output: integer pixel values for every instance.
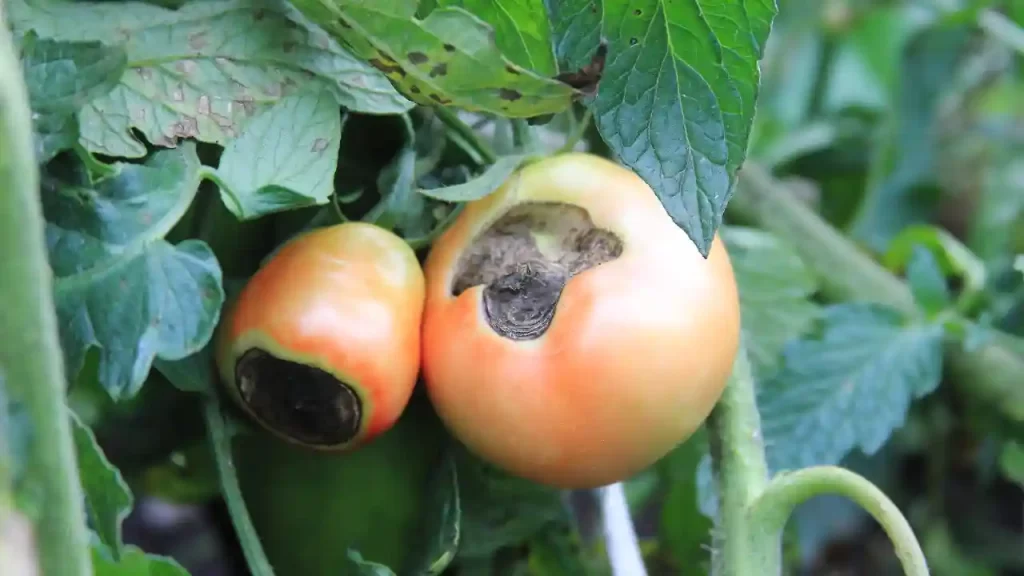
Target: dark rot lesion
(304, 403)
(525, 259)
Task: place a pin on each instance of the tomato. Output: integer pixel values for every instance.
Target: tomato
(573, 333)
(322, 346)
(310, 507)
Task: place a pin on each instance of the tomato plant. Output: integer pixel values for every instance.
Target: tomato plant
(522, 287)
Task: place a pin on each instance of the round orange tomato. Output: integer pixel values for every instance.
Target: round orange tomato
(322, 346)
(573, 333)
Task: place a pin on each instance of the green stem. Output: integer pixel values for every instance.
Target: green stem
(523, 137)
(466, 133)
(741, 474)
(787, 490)
(94, 166)
(579, 130)
(220, 441)
(30, 356)
(990, 373)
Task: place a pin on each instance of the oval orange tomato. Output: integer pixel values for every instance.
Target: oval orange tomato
(322, 346)
(573, 333)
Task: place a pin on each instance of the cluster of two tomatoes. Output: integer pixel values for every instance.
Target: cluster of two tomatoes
(564, 328)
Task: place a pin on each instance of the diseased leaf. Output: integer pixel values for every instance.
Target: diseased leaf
(61, 77)
(285, 158)
(848, 388)
(134, 562)
(484, 184)
(447, 58)
(107, 497)
(204, 70)
(775, 287)
(676, 101)
(521, 30)
(119, 286)
(441, 530)
(498, 509)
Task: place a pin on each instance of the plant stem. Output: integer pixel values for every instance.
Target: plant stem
(577, 133)
(990, 373)
(220, 442)
(456, 125)
(619, 535)
(741, 474)
(787, 490)
(30, 356)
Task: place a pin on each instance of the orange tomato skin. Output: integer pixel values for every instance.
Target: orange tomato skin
(347, 299)
(637, 354)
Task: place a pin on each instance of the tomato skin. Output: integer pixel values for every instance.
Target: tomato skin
(638, 352)
(347, 299)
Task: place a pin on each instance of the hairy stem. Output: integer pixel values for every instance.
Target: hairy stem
(220, 442)
(30, 356)
(619, 535)
(741, 474)
(989, 373)
(773, 508)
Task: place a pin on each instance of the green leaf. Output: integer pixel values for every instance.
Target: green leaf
(442, 519)
(61, 77)
(677, 97)
(285, 158)
(952, 257)
(775, 287)
(448, 58)
(367, 568)
(898, 196)
(484, 184)
(848, 387)
(134, 562)
(107, 496)
(521, 30)
(557, 550)
(204, 70)
(927, 281)
(685, 534)
(997, 225)
(400, 207)
(499, 509)
(119, 286)
(194, 373)
(1011, 462)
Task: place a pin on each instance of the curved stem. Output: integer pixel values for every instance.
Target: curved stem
(619, 534)
(30, 356)
(741, 474)
(466, 133)
(772, 509)
(579, 130)
(248, 539)
(990, 373)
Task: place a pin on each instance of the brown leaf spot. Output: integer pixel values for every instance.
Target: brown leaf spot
(414, 89)
(440, 100)
(222, 121)
(197, 41)
(439, 70)
(187, 127)
(319, 145)
(509, 94)
(448, 47)
(638, 12)
(186, 67)
(417, 57)
(178, 94)
(203, 105)
(633, 41)
(387, 68)
(145, 73)
(512, 70)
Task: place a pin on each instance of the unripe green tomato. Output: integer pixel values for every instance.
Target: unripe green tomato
(310, 507)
